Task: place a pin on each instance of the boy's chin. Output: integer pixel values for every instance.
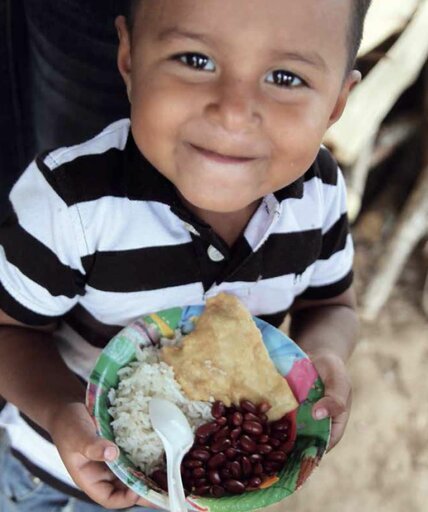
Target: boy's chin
(217, 205)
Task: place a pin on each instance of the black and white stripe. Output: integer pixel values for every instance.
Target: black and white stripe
(98, 237)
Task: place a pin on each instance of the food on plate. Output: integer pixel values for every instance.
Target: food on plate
(222, 378)
(224, 357)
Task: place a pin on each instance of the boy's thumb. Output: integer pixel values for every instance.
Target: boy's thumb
(328, 406)
(100, 450)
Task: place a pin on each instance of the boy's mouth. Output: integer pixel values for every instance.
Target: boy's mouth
(220, 157)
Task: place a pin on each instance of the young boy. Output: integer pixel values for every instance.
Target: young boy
(217, 184)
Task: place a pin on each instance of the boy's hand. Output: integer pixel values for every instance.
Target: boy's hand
(84, 455)
(338, 394)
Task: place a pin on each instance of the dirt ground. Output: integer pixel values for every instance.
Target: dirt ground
(381, 464)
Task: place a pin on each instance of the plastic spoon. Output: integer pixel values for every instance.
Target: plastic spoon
(177, 437)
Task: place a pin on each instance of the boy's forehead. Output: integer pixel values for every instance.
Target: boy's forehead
(307, 23)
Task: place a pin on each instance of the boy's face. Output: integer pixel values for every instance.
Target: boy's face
(231, 98)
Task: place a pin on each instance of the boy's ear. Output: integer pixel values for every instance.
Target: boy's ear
(353, 78)
(124, 52)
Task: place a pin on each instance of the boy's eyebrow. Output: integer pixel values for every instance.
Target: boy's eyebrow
(311, 58)
(176, 33)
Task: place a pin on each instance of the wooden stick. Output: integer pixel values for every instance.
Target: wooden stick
(411, 228)
(392, 135)
(385, 18)
(357, 178)
(378, 148)
(425, 292)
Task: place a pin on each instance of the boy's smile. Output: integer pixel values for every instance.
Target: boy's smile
(231, 98)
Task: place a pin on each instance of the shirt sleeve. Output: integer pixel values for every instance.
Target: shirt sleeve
(41, 273)
(332, 273)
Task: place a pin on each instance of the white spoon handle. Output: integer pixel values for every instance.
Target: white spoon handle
(177, 499)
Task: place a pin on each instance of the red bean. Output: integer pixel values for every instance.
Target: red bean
(263, 407)
(247, 444)
(231, 453)
(217, 460)
(237, 419)
(255, 482)
(281, 436)
(235, 469)
(199, 454)
(217, 491)
(257, 469)
(249, 416)
(202, 490)
(222, 421)
(263, 439)
(223, 432)
(253, 428)
(271, 468)
(201, 441)
(218, 409)
(214, 477)
(264, 448)
(277, 456)
(199, 482)
(234, 486)
(246, 466)
(248, 406)
(279, 427)
(221, 445)
(235, 433)
(192, 463)
(225, 473)
(207, 429)
(256, 457)
(198, 472)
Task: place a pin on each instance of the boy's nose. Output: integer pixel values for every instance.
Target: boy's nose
(234, 106)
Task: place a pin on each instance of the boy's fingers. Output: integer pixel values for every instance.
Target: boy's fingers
(337, 429)
(108, 496)
(98, 449)
(337, 395)
(328, 406)
(144, 503)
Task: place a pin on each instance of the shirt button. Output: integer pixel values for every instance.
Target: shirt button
(191, 229)
(214, 254)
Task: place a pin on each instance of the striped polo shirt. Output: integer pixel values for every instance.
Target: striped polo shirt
(97, 237)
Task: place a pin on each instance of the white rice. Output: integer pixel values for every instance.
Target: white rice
(140, 381)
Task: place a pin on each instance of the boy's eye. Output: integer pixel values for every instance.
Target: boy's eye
(283, 78)
(196, 60)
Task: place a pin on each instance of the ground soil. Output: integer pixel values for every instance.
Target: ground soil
(381, 464)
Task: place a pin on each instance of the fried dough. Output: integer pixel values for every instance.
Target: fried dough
(224, 358)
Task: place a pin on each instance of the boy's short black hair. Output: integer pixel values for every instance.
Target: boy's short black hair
(355, 35)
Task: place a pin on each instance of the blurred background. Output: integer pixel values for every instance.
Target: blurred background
(381, 144)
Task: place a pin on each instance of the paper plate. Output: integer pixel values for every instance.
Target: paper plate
(310, 437)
